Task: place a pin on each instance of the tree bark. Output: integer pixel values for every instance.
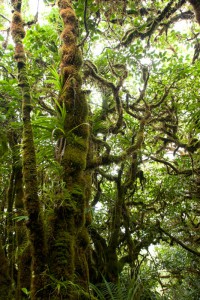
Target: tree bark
(68, 237)
(196, 6)
(5, 280)
(31, 199)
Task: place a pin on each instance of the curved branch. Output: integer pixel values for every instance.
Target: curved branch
(132, 34)
(85, 24)
(94, 73)
(107, 176)
(109, 159)
(179, 242)
(165, 163)
(102, 143)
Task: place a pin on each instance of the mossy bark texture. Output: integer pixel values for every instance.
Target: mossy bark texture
(15, 195)
(196, 7)
(5, 280)
(69, 237)
(24, 272)
(31, 200)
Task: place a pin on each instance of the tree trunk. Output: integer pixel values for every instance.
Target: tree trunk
(5, 280)
(196, 6)
(31, 199)
(69, 238)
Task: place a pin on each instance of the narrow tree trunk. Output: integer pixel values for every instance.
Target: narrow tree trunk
(10, 223)
(31, 200)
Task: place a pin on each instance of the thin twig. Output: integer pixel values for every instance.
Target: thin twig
(4, 18)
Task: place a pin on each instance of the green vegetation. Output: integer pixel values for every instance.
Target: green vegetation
(99, 150)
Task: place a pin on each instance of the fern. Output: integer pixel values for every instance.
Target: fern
(111, 288)
(56, 79)
(111, 291)
(97, 291)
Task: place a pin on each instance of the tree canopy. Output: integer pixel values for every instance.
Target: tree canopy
(99, 149)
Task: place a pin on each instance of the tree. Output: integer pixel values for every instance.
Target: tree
(102, 160)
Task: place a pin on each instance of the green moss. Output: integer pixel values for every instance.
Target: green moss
(83, 107)
(83, 132)
(75, 157)
(78, 58)
(78, 142)
(31, 199)
(70, 214)
(24, 271)
(84, 239)
(61, 249)
(77, 191)
(77, 82)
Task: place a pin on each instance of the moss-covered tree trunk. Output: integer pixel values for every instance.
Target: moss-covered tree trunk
(69, 238)
(31, 200)
(15, 208)
(196, 7)
(5, 280)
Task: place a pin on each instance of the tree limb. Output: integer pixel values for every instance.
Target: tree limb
(179, 242)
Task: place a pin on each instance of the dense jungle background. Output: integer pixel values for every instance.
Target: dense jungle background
(99, 149)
